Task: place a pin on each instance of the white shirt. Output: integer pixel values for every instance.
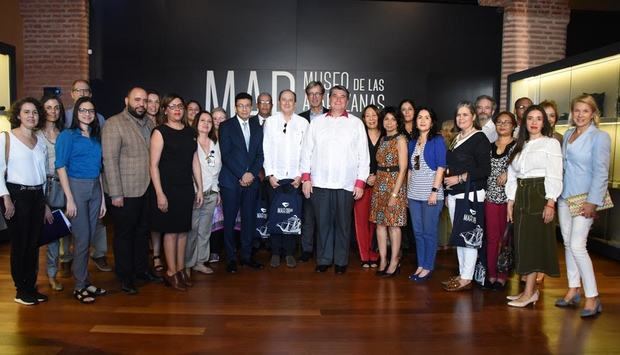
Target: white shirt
(282, 151)
(489, 130)
(336, 152)
(210, 166)
(262, 119)
(25, 166)
(541, 157)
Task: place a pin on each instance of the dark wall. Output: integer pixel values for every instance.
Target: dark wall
(588, 30)
(383, 51)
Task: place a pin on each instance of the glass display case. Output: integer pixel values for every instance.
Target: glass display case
(596, 73)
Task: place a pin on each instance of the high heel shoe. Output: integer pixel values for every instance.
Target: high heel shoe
(380, 273)
(521, 304)
(514, 297)
(420, 279)
(185, 279)
(174, 281)
(586, 313)
(573, 302)
(392, 274)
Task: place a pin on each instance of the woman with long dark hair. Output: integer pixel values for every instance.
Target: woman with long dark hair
(22, 175)
(78, 164)
(533, 186)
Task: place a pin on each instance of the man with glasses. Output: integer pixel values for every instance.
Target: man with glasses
(335, 165)
(314, 93)
(522, 104)
(241, 143)
(485, 109)
(125, 143)
(81, 88)
(264, 103)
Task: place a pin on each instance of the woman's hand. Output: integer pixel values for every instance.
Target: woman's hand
(451, 181)
(8, 207)
(501, 179)
(71, 208)
(392, 201)
(371, 180)
(162, 202)
(273, 181)
(199, 199)
(102, 209)
(588, 210)
(510, 207)
(48, 217)
(548, 213)
(432, 198)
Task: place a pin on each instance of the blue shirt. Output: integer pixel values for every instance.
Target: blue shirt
(586, 164)
(79, 155)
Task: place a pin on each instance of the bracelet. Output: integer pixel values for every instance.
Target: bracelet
(394, 195)
(552, 207)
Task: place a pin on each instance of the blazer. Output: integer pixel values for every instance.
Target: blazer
(125, 156)
(306, 114)
(434, 152)
(236, 159)
(586, 164)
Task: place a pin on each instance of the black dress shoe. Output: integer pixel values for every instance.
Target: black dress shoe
(252, 263)
(129, 288)
(340, 269)
(231, 267)
(148, 276)
(305, 256)
(321, 268)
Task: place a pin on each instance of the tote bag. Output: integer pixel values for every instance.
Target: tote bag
(285, 211)
(467, 228)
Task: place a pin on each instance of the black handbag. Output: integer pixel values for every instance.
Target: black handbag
(54, 195)
(505, 259)
(285, 211)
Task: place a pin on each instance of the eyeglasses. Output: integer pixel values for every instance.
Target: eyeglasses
(522, 107)
(243, 107)
(315, 94)
(284, 130)
(86, 111)
(179, 107)
(416, 162)
(82, 91)
(264, 102)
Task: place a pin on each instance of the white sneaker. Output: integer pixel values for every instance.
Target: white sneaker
(200, 267)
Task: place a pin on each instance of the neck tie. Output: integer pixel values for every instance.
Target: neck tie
(246, 134)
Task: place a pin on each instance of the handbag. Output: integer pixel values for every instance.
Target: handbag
(575, 203)
(54, 195)
(285, 210)
(467, 228)
(505, 259)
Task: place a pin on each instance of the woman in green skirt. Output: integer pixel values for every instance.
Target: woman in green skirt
(533, 186)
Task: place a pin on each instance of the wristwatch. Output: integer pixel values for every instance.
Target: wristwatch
(434, 189)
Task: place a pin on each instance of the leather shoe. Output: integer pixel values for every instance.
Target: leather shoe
(252, 263)
(321, 268)
(340, 269)
(305, 257)
(129, 288)
(148, 276)
(231, 267)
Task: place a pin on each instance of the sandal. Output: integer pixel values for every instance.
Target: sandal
(95, 291)
(83, 296)
(160, 267)
(374, 264)
(365, 264)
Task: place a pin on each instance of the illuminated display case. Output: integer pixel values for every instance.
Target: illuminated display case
(596, 73)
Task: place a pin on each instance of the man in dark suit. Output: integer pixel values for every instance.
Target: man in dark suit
(314, 93)
(241, 146)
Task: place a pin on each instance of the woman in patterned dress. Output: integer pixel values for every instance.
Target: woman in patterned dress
(389, 196)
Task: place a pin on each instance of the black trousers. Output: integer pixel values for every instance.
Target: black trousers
(25, 228)
(130, 236)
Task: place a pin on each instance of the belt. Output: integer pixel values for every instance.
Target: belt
(53, 178)
(530, 181)
(207, 193)
(388, 169)
(25, 187)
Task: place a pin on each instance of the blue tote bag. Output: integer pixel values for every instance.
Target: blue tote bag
(285, 211)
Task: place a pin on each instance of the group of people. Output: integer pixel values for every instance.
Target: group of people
(164, 167)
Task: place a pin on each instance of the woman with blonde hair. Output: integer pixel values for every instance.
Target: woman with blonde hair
(586, 151)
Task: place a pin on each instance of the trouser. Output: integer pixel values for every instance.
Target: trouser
(364, 229)
(579, 267)
(24, 230)
(467, 256)
(281, 242)
(87, 197)
(100, 241)
(198, 239)
(52, 256)
(495, 219)
(425, 219)
(308, 226)
(130, 237)
(233, 199)
(66, 255)
(333, 218)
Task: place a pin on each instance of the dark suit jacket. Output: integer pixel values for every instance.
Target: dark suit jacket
(306, 114)
(236, 159)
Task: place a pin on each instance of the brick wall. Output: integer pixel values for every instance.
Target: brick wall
(534, 34)
(55, 45)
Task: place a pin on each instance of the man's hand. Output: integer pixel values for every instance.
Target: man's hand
(118, 201)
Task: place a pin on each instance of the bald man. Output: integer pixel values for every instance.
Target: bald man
(125, 142)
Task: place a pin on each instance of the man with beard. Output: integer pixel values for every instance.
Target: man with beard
(485, 109)
(125, 143)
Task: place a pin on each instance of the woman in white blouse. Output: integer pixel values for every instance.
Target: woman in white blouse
(282, 146)
(198, 240)
(533, 186)
(22, 193)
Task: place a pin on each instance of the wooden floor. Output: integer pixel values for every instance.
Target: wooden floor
(296, 311)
